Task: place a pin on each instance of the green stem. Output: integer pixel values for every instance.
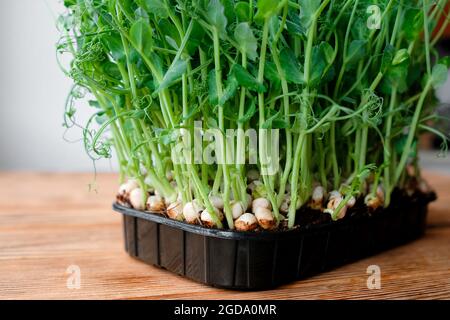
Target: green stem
(226, 174)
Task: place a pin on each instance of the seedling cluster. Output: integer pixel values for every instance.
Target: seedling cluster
(346, 102)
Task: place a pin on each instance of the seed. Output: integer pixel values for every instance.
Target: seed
(317, 198)
(127, 187)
(191, 211)
(373, 202)
(175, 210)
(217, 202)
(207, 219)
(136, 199)
(333, 204)
(155, 204)
(265, 218)
(238, 209)
(246, 222)
(261, 203)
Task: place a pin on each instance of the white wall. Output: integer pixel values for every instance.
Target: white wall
(33, 92)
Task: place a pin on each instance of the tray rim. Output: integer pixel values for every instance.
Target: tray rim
(243, 235)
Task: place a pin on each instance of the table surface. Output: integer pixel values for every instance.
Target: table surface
(50, 222)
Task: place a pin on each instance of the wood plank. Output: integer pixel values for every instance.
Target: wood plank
(51, 221)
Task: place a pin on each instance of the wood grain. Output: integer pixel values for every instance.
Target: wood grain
(51, 221)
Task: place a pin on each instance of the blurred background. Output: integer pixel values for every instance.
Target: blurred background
(33, 92)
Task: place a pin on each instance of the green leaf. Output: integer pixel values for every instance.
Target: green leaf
(114, 44)
(439, 75)
(229, 91)
(396, 77)
(413, 23)
(356, 52)
(308, 9)
(268, 8)
(229, 10)
(401, 56)
(294, 25)
(245, 79)
(112, 70)
(318, 61)
(196, 38)
(388, 57)
(156, 7)
(272, 75)
(246, 40)
(169, 30)
(328, 52)
(249, 113)
(173, 74)
(445, 61)
(291, 67)
(400, 145)
(141, 36)
(242, 11)
(216, 16)
(275, 122)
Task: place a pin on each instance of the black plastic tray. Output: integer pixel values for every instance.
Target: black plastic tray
(263, 260)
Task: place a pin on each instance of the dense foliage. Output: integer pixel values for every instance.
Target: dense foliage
(349, 89)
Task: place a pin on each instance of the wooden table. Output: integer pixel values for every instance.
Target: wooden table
(49, 222)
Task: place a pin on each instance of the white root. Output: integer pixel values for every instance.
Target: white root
(191, 211)
(175, 211)
(207, 219)
(261, 203)
(317, 198)
(237, 209)
(253, 175)
(136, 199)
(217, 202)
(156, 204)
(265, 218)
(246, 222)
